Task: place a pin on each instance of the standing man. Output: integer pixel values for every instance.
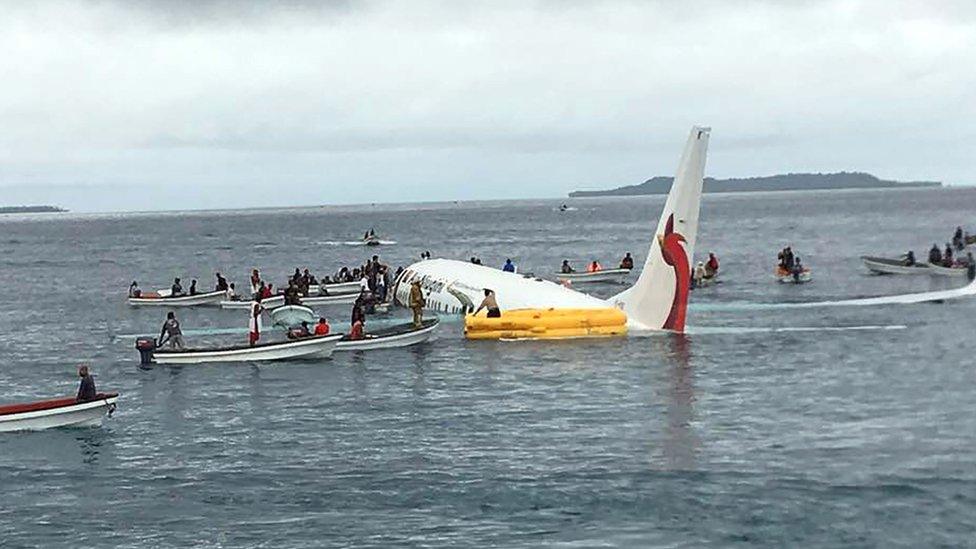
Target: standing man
(171, 331)
(417, 303)
(86, 391)
(254, 323)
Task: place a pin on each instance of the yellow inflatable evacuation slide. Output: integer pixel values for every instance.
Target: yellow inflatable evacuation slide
(548, 324)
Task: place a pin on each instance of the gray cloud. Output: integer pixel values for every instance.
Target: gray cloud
(438, 96)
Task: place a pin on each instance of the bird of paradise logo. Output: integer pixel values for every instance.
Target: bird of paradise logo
(674, 255)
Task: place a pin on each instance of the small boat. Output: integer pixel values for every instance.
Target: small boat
(939, 270)
(270, 303)
(785, 277)
(403, 335)
(291, 316)
(605, 275)
(341, 299)
(157, 300)
(335, 289)
(882, 265)
(308, 347)
(61, 412)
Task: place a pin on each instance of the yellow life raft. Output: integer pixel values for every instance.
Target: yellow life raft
(548, 324)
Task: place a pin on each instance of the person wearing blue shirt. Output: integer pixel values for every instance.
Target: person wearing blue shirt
(509, 266)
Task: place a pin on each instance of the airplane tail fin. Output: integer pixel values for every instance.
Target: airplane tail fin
(659, 298)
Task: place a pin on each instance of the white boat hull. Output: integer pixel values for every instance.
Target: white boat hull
(311, 347)
(606, 275)
(938, 270)
(394, 341)
(335, 289)
(882, 265)
(209, 298)
(343, 299)
(82, 414)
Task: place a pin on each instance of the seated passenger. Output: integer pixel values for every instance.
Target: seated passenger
(322, 328)
(594, 266)
(711, 268)
(909, 259)
(221, 285)
(193, 287)
(698, 277)
(134, 290)
(230, 294)
(86, 390)
(509, 267)
(935, 255)
(627, 262)
(566, 269)
(176, 290)
(299, 332)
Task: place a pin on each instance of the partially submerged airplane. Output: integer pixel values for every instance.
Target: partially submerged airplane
(657, 301)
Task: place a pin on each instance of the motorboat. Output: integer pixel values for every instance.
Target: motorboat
(882, 265)
(604, 275)
(939, 270)
(289, 349)
(60, 412)
(291, 316)
(342, 299)
(785, 277)
(158, 300)
(335, 288)
(402, 335)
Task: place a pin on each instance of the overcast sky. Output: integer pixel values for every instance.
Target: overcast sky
(188, 104)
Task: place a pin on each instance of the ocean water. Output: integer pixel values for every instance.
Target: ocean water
(807, 427)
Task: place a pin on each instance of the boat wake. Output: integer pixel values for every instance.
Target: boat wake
(902, 299)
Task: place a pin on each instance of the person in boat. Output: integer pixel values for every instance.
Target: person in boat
(627, 262)
(293, 295)
(789, 259)
(134, 290)
(193, 287)
(299, 332)
(171, 332)
(970, 266)
(711, 267)
(698, 278)
(322, 328)
(381, 288)
(417, 303)
(221, 285)
(594, 267)
(176, 290)
(254, 322)
(230, 294)
(266, 291)
(489, 303)
(357, 311)
(935, 255)
(255, 282)
(909, 259)
(566, 269)
(797, 269)
(957, 239)
(357, 332)
(509, 267)
(947, 256)
(86, 389)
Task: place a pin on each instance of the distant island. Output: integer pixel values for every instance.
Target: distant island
(785, 182)
(30, 209)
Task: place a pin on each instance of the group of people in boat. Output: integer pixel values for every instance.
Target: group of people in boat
(705, 271)
(789, 263)
(947, 258)
(594, 266)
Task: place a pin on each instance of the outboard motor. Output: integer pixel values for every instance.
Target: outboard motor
(146, 346)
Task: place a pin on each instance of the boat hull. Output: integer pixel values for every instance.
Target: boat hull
(938, 270)
(335, 289)
(392, 338)
(881, 265)
(311, 347)
(209, 298)
(270, 303)
(342, 299)
(72, 414)
(606, 275)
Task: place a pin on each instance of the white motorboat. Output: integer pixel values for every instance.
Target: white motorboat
(309, 347)
(61, 412)
(403, 335)
(939, 270)
(335, 289)
(209, 298)
(290, 316)
(605, 275)
(270, 303)
(343, 299)
(882, 265)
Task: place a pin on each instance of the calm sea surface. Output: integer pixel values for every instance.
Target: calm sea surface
(763, 427)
